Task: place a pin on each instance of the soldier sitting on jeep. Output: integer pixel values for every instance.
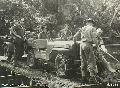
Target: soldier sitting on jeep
(65, 34)
(43, 34)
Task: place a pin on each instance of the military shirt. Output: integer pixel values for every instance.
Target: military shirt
(18, 30)
(89, 34)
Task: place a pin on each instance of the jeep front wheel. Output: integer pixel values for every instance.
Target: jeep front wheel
(60, 64)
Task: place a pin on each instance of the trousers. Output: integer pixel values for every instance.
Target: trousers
(19, 49)
(88, 61)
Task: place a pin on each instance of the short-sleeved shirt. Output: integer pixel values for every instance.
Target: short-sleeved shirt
(18, 31)
(89, 34)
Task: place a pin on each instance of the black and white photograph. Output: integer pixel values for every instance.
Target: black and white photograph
(59, 43)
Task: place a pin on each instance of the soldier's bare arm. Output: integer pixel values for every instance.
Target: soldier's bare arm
(14, 33)
(78, 32)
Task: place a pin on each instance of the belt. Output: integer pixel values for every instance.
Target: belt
(91, 42)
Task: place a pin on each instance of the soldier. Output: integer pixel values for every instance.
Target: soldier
(65, 34)
(18, 33)
(88, 41)
(44, 34)
(101, 59)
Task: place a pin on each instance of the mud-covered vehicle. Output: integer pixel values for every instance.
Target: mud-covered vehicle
(64, 57)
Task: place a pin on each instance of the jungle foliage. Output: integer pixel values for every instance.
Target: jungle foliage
(56, 13)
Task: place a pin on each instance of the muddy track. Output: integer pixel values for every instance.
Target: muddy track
(41, 77)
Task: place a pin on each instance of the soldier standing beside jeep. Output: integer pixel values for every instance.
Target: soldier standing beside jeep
(18, 33)
(44, 33)
(65, 34)
(88, 41)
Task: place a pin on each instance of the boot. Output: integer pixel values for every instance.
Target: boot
(85, 80)
(93, 80)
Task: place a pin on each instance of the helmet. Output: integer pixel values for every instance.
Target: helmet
(99, 30)
(90, 20)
